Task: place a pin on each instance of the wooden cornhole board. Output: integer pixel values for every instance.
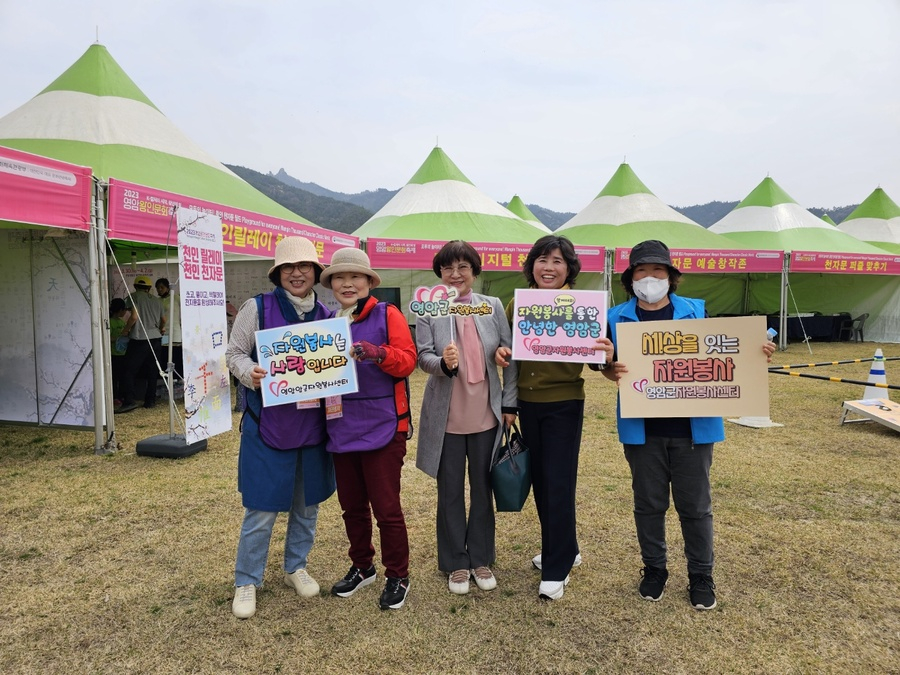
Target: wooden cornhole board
(879, 410)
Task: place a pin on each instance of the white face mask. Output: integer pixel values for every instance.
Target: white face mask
(651, 289)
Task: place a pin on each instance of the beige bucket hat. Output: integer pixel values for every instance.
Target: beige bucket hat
(350, 260)
(293, 250)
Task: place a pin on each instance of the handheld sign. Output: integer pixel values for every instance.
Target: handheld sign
(558, 325)
(693, 368)
(306, 361)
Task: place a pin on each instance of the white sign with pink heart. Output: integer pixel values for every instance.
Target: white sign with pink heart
(432, 300)
(306, 361)
(558, 325)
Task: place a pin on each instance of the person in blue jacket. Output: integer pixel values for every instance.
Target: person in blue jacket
(282, 464)
(674, 452)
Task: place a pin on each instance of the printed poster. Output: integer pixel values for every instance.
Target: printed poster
(201, 281)
(694, 368)
(306, 361)
(558, 325)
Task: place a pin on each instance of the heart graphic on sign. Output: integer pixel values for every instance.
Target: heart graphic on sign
(530, 342)
(439, 292)
(275, 386)
(639, 385)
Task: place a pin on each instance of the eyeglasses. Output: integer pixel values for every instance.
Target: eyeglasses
(290, 268)
(462, 268)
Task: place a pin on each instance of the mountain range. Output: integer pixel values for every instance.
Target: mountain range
(344, 212)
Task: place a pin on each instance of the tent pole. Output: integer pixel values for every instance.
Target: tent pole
(102, 352)
(782, 318)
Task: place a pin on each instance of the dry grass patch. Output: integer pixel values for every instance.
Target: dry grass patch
(124, 564)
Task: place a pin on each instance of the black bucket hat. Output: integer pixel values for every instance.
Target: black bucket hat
(649, 252)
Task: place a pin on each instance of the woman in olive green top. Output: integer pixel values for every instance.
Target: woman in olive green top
(551, 410)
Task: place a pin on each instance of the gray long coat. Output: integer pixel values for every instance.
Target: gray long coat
(432, 336)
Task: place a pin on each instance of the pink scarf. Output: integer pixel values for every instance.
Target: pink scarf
(471, 345)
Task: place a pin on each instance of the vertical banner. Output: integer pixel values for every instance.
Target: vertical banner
(204, 326)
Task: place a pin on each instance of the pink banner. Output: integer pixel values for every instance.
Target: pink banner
(138, 213)
(844, 263)
(42, 191)
(708, 261)
(417, 254)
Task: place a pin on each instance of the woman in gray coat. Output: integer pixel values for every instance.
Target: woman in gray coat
(463, 410)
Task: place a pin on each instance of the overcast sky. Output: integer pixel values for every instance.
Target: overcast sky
(703, 98)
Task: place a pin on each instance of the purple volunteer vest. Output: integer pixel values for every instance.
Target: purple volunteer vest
(283, 426)
(369, 419)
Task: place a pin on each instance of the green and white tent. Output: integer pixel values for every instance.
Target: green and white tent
(439, 203)
(876, 221)
(769, 218)
(626, 212)
(519, 208)
(95, 115)
(828, 220)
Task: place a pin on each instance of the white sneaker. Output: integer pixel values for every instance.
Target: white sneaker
(459, 582)
(244, 604)
(536, 561)
(300, 581)
(552, 590)
(484, 578)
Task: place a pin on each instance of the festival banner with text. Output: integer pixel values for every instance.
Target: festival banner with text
(558, 325)
(139, 213)
(710, 261)
(417, 254)
(693, 368)
(844, 263)
(306, 361)
(201, 281)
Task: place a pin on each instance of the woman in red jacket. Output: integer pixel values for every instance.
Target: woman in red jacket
(368, 439)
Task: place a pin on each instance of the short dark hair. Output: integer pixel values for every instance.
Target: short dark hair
(116, 305)
(162, 280)
(545, 245)
(453, 251)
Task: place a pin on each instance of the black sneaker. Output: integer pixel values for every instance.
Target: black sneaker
(702, 590)
(394, 594)
(653, 583)
(353, 580)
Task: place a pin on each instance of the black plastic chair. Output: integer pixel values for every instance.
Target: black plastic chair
(853, 328)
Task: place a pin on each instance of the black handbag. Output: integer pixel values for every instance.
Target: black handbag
(511, 471)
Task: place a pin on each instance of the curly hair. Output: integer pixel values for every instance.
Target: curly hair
(453, 251)
(544, 246)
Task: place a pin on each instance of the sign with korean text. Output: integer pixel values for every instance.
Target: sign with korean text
(438, 300)
(43, 191)
(709, 261)
(844, 263)
(558, 325)
(306, 361)
(418, 254)
(201, 289)
(693, 367)
(139, 213)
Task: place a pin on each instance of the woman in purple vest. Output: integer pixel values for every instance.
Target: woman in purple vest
(283, 465)
(368, 439)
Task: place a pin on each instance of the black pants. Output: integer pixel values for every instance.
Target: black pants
(552, 432)
(140, 362)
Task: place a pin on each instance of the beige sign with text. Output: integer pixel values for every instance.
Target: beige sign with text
(694, 368)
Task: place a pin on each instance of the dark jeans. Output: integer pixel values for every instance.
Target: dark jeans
(655, 465)
(139, 362)
(367, 483)
(552, 432)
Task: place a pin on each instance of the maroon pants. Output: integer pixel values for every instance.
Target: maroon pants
(367, 483)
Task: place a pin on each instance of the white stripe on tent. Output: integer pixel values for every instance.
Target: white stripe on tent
(443, 196)
(873, 229)
(118, 121)
(636, 208)
(776, 218)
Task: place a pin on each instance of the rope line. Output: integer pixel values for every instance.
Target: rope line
(880, 385)
(834, 363)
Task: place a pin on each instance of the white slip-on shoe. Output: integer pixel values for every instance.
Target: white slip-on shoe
(536, 561)
(484, 578)
(244, 604)
(300, 581)
(552, 590)
(459, 582)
